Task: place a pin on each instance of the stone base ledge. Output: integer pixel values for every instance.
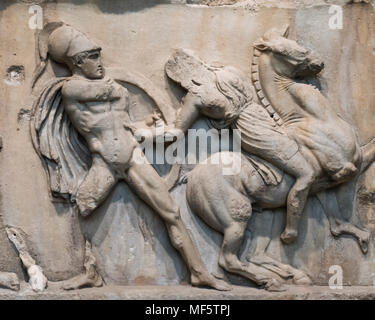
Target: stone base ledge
(185, 292)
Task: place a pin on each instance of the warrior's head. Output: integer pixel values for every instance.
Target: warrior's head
(74, 49)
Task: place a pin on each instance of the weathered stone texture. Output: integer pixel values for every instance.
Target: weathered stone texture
(129, 241)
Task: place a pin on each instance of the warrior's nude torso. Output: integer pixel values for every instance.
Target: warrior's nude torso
(98, 109)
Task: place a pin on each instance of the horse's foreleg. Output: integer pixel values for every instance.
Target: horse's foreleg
(339, 226)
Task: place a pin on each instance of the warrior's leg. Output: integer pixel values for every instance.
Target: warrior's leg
(95, 187)
(289, 157)
(303, 167)
(151, 188)
(90, 278)
(305, 175)
(91, 193)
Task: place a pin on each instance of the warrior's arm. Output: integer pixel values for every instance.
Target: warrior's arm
(188, 113)
(87, 91)
(80, 117)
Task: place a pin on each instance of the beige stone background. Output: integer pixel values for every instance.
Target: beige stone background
(129, 241)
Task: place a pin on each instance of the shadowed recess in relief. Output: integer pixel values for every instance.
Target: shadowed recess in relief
(120, 6)
(113, 6)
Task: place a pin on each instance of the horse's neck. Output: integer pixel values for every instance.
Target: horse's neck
(273, 90)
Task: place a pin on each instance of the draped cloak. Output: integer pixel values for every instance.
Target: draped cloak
(65, 154)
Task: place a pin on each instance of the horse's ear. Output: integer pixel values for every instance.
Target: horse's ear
(285, 31)
(261, 45)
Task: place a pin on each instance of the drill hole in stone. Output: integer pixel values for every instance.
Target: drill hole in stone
(15, 75)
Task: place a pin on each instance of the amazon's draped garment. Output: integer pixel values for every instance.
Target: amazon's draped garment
(228, 89)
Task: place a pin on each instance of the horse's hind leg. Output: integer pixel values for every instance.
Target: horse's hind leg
(260, 258)
(285, 271)
(233, 239)
(228, 260)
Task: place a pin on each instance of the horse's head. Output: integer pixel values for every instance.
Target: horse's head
(287, 57)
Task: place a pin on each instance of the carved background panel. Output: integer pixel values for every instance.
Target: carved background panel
(130, 242)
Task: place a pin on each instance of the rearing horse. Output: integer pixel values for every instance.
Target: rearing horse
(226, 202)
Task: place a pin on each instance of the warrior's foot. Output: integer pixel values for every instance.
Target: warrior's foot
(289, 236)
(210, 281)
(92, 279)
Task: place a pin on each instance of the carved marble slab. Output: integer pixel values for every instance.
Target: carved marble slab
(296, 78)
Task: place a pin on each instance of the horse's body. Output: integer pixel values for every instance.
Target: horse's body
(226, 204)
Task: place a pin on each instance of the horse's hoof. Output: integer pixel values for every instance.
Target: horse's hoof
(302, 279)
(212, 282)
(222, 286)
(219, 276)
(289, 236)
(274, 285)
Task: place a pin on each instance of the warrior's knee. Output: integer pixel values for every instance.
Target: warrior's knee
(85, 212)
(310, 174)
(306, 180)
(85, 206)
(174, 219)
(172, 216)
(348, 171)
